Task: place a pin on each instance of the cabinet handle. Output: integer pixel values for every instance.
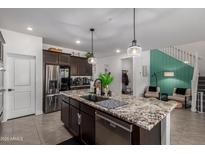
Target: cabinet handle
(79, 118)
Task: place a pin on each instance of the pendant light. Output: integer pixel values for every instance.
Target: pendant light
(92, 59)
(134, 49)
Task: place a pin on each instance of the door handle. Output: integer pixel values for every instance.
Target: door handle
(11, 89)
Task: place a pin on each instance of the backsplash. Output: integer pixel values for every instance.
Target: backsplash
(80, 80)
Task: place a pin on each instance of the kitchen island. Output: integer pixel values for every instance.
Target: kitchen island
(146, 119)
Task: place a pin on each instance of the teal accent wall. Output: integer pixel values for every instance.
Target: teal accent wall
(160, 63)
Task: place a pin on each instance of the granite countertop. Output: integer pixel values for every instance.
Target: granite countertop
(143, 112)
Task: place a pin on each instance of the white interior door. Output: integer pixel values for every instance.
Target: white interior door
(21, 74)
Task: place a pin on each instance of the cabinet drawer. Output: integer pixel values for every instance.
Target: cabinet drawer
(74, 103)
(87, 109)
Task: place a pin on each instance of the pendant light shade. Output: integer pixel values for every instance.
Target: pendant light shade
(134, 49)
(92, 59)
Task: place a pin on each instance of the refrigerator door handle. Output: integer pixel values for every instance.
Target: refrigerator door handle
(59, 80)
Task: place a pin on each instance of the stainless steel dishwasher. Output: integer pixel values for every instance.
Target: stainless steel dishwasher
(111, 131)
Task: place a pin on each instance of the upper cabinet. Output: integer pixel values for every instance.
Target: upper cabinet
(80, 67)
(74, 61)
(50, 57)
(56, 58)
(64, 59)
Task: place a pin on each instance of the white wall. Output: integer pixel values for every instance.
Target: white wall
(140, 81)
(66, 50)
(114, 64)
(196, 47)
(19, 43)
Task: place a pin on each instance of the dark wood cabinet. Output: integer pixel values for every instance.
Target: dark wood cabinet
(87, 128)
(65, 108)
(56, 58)
(82, 63)
(79, 119)
(74, 66)
(51, 57)
(80, 67)
(88, 70)
(74, 120)
(64, 59)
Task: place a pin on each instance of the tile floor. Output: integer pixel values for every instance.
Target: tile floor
(186, 128)
(42, 129)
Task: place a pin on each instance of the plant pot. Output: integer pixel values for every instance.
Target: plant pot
(106, 90)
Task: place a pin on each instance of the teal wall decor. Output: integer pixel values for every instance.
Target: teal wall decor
(160, 63)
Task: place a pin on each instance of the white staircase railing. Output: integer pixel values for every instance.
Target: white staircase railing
(184, 56)
(200, 102)
(191, 59)
(194, 84)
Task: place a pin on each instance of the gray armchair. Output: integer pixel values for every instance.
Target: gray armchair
(179, 98)
(152, 93)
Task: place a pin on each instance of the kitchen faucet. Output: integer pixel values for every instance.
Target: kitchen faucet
(96, 87)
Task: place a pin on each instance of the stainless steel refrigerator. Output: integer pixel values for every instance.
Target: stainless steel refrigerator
(57, 79)
(52, 88)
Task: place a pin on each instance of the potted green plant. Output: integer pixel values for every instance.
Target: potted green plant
(106, 79)
(88, 55)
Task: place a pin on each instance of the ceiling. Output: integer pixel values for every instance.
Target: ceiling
(155, 28)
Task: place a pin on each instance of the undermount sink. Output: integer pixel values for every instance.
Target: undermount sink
(94, 98)
(108, 103)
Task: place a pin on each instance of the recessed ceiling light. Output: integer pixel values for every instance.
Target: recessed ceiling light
(29, 28)
(118, 51)
(77, 42)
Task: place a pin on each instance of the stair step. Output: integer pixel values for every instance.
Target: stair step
(201, 87)
(199, 90)
(201, 82)
(202, 78)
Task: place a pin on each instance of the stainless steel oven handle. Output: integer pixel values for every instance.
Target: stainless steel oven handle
(113, 123)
